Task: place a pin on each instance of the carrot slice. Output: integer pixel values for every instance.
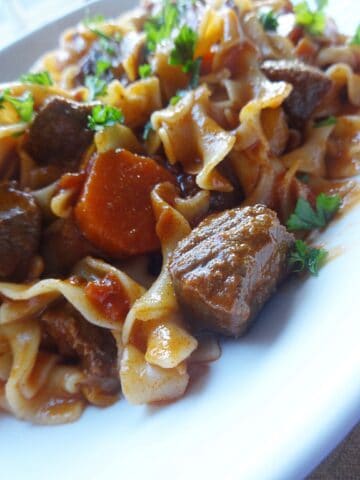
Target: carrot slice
(114, 211)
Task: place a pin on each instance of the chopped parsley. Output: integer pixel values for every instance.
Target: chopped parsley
(107, 43)
(159, 27)
(313, 21)
(356, 38)
(39, 78)
(147, 130)
(308, 258)
(303, 177)
(326, 122)
(306, 218)
(96, 86)
(177, 97)
(269, 21)
(184, 46)
(93, 20)
(104, 116)
(24, 105)
(195, 72)
(183, 54)
(145, 70)
(101, 67)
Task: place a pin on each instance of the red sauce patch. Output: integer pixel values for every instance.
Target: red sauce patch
(109, 296)
(72, 180)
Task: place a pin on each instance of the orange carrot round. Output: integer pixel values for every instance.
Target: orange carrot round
(114, 211)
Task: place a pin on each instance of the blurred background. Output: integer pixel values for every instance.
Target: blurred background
(17, 17)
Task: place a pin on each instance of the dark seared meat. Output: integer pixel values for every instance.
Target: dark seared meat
(96, 53)
(59, 133)
(63, 245)
(229, 266)
(20, 223)
(219, 201)
(77, 339)
(310, 85)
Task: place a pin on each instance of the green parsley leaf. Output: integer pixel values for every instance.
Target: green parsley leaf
(269, 21)
(145, 70)
(331, 120)
(101, 67)
(147, 130)
(321, 4)
(306, 258)
(184, 46)
(101, 34)
(93, 20)
(303, 177)
(108, 46)
(195, 72)
(313, 21)
(104, 116)
(18, 134)
(96, 87)
(176, 98)
(306, 218)
(183, 53)
(159, 27)
(24, 105)
(356, 38)
(39, 78)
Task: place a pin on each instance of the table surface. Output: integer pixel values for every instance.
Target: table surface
(15, 21)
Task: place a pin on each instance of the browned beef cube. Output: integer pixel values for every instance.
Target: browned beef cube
(59, 134)
(20, 223)
(62, 246)
(229, 266)
(310, 85)
(75, 338)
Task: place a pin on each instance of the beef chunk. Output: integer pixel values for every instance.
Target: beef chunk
(59, 134)
(75, 338)
(227, 268)
(309, 87)
(62, 246)
(20, 223)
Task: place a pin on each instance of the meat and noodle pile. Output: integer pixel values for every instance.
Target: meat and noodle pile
(160, 174)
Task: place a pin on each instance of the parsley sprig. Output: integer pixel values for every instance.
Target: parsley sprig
(183, 54)
(304, 257)
(148, 128)
(306, 218)
(107, 43)
(104, 116)
(326, 122)
(313, 21)
(184, 46)
(101, 67)
(39, 78)
(145, 70)
(178, 96)
(269, 21)
(24, 105)
(356, 38)
(96, 86)
(160, 26)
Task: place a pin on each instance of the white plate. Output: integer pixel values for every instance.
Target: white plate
(272, 407)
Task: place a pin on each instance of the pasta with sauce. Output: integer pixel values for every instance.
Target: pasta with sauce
(147, 169)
